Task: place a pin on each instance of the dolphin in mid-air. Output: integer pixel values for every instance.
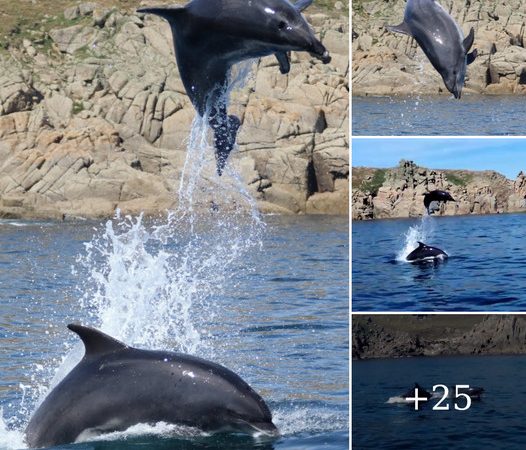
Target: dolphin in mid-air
(441, 39)
(436, 196)
(426, 253)
(115, 386)
(210, 36)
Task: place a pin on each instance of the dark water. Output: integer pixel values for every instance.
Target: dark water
(496, 421)
(283, 327)
(438, 116)
(486, 270)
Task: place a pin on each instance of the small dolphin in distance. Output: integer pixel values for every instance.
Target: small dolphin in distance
(437, 196)
(474, 392)
(441, 39)
(411, 393)
(115, 386)
(210, 36)
(425, 253)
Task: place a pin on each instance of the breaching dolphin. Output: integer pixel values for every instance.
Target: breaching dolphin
(437, 196)
(425, 253)
(441, 39)
(115, 386)
(212, 35)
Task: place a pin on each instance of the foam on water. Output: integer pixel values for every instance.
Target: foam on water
(156, 284)
(160, 429)
(422, 232)
(294, 419)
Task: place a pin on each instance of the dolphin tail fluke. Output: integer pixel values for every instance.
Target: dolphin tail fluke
(402, 28)
(224, 140)
(471, 57)
(302, 4)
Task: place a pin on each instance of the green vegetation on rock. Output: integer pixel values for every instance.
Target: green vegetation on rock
(375, 182)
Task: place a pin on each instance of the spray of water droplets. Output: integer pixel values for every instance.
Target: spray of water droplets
(156, 283)
(421, 232)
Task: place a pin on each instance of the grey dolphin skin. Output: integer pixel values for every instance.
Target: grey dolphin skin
(212, 35)
(437, 196)
(115, 386)
(425, 252)
(441, 39)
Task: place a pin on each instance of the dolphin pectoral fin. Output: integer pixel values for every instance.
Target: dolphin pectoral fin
(225, 133)
(95, 341)
(402, 28)
(284, 62)
(468, 41)
(471, 57)
(302, 4)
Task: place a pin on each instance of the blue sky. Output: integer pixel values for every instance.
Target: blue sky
(505, 155)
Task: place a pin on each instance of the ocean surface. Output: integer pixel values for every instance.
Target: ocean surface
(267, 298)
(473, 115)
(496, 421)
(485, 271)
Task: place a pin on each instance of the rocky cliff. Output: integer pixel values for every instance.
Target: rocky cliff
(382, 336)
(385, 63)
(93, 117)
(398, 192)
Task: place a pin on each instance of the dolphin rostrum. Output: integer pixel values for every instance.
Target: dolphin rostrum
(426, 253)
(115, 386)
(441, 39)
(210, 36)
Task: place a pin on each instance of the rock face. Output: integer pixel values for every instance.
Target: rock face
(385, 63)
(398, 192)
(389, 337)
(93, 117)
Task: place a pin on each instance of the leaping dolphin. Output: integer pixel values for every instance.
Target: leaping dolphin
(441, 39)
(437, 196)
(426, 253)
(115, 386)
(212, 35)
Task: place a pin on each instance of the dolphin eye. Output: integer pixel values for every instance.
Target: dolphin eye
(282, 25)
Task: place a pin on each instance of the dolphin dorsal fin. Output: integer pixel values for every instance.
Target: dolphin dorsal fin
(170, 13)
(302, 4)
(402, 28)
(96, 342)
(421, 244)
(468, 42)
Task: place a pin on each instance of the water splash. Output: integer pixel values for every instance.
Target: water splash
(301, 418)
(421, 232)
(157, 283)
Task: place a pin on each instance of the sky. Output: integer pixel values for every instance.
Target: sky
(505, 155)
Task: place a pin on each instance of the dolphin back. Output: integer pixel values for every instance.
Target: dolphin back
(116, 386)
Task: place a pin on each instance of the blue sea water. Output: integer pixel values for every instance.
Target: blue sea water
(276, 314)
(485, 271)
(473, 115)
(496, 421)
